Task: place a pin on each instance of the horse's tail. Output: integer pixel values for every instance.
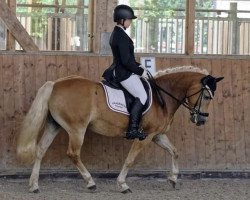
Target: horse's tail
(33, 123)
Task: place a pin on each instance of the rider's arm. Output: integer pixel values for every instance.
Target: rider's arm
(127, 58)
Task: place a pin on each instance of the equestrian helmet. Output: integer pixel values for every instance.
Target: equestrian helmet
(123, 12)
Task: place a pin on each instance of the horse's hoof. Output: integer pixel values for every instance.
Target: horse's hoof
(127, 191)
(92, 188)
(174, 184)
(34, 191)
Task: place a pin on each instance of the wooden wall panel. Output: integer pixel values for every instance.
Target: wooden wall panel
(1, 112)
(83, 62)
(19, 87)
(229, 121)
(238, 113)
(246, 99)
(40, 71)
(223, 143)
(73, 65)
(218, 119)
(9, 111)
(62, 66)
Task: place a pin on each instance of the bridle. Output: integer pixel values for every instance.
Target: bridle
(197, 106)
(195, 110)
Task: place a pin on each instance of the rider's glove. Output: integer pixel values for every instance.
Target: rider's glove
(145, 72)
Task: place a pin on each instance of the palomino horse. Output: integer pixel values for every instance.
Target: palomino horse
(74, 103)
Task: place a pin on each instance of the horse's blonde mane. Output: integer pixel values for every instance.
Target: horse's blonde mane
(181, 69)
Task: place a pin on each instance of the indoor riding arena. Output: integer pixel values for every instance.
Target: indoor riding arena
(47, 40)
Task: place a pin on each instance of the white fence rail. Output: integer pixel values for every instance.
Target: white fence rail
(213, 35)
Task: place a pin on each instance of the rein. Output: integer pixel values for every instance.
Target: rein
(183, 102)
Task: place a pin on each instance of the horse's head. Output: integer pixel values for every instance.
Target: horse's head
(199, 97)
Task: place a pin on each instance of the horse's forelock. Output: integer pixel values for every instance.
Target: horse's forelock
(210, 81)
(181, 69)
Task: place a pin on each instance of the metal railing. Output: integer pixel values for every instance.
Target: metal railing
(161, 35)
(213, 33)
(64, 32)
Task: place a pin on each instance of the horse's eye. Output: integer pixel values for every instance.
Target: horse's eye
(207, 97)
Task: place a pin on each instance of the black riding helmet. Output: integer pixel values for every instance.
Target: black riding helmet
(123, 12)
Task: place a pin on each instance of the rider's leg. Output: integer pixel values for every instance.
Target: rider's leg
(135, 87)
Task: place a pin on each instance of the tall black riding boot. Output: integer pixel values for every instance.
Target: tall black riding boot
(134, 121)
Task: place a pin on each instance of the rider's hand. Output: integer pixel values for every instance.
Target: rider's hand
(145, 74)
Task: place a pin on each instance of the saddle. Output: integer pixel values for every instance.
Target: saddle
(120, 100)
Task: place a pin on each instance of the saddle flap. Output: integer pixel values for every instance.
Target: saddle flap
(119, 100)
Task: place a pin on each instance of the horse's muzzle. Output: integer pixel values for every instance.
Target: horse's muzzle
(198, 119)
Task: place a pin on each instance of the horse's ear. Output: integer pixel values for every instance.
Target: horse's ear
(219, 79)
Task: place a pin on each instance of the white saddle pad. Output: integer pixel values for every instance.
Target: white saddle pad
(116, 99)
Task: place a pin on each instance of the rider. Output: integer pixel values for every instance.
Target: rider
(126, 70)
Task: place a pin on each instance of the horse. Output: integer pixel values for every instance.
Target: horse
(75, 103)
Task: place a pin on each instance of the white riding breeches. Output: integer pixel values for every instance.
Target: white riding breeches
(135, 87)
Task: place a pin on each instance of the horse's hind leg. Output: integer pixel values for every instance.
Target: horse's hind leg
(50, 132)
(75, 143)
(163, 141)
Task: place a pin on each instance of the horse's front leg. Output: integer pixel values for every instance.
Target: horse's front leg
(136, 148)
(163, 141)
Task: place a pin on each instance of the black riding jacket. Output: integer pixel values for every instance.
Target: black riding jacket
(123, 55)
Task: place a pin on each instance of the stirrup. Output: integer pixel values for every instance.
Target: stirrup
(144, 135)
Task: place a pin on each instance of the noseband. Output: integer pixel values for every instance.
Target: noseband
(195, 110)
(197, 106)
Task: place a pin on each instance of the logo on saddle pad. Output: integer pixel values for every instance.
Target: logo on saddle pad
(119, 101)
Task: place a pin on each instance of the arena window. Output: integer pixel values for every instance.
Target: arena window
(61, 25)
(219, 27)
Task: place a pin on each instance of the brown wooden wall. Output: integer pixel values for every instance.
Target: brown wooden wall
(223, 143)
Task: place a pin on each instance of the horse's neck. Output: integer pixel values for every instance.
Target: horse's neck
(177, 85)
